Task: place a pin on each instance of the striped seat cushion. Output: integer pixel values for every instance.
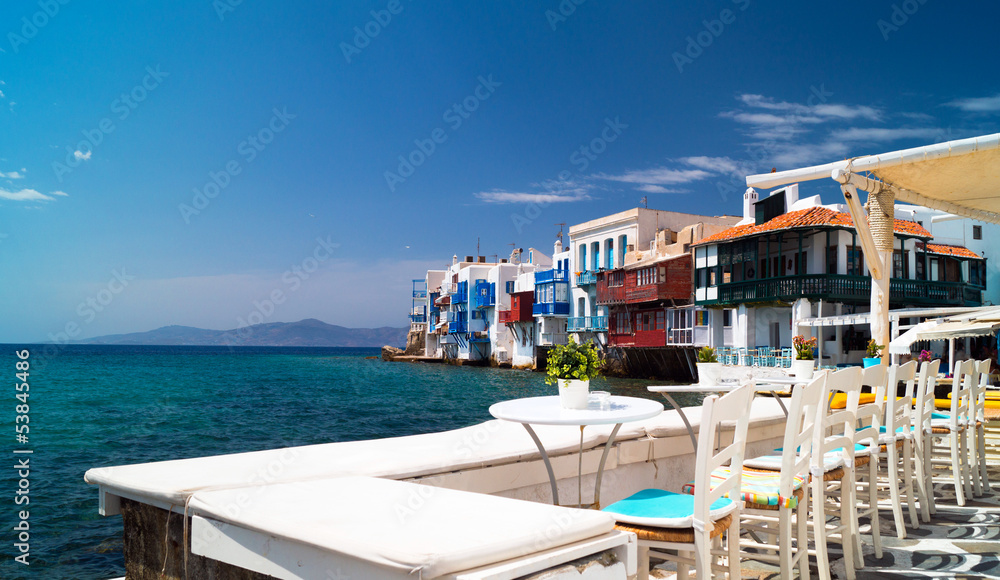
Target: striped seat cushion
(665, 509)
(757, 487)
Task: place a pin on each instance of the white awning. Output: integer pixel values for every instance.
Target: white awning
(947, 330)
(902, 343)
(961, 177)
(980, 322)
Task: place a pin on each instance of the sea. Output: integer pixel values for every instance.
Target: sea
(96, 405)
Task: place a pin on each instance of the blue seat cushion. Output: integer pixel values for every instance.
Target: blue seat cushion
(665, 509)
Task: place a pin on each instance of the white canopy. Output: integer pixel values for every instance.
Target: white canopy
(982, 322)
(961, 177)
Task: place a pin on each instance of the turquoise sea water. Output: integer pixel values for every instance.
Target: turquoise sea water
(93, 406)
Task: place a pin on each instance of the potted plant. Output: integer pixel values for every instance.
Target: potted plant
(873, 356)
(925, 356)
(803, 365)
(571, 366)
(709, 369)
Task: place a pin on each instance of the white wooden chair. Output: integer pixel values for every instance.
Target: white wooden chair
(983, 482)
(664, 520)
(775, 488)
(867, 436)
(897, 444)
(952, 428)
(832, 468)
(923, 438)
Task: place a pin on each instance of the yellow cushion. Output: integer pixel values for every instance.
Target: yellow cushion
(840, 400)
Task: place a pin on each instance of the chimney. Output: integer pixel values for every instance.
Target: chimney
(454, 259)
(468, 258)
(481, 259)
(749, 200)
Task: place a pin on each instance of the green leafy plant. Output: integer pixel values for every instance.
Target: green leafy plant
(874, 349)
(572, 361)
(803, 347)
(706, 354)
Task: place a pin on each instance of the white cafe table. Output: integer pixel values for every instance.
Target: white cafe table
(549, 411)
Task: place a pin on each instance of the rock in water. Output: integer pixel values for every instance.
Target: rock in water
(390, 352)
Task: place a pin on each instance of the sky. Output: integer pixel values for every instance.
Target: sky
(195, 162)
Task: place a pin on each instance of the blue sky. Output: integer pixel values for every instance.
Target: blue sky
(185, 162)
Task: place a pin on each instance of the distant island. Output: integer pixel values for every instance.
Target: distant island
(308, 332)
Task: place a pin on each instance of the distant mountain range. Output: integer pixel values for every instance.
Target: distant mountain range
(309, 332)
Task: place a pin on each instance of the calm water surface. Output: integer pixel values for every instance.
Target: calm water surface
(93, 406)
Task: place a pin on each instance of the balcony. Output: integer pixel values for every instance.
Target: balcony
(461, 295)
(587, 324)
(849, 289)
(586, 278)
(551, 276)
(550, 309)
(420, 293)
(458, 327)
(485, 294)
(418, 318)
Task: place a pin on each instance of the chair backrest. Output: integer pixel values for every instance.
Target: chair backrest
(715, 410)
(869, 416)
(799, 428)
(835, 429)
(983, 367)
(926, 380)
(897, 409)
(966, 373)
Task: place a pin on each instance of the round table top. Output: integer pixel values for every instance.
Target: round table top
(548, 411)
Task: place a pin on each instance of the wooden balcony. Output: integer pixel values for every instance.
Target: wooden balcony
(846, 289)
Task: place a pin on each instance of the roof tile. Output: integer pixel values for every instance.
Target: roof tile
(946, 250)
(808, 218)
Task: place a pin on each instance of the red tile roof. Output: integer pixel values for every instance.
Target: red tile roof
(808, 218)
(946, 250)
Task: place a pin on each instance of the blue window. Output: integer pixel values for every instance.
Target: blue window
(510, 287)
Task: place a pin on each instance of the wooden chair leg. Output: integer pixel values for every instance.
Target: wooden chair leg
(956, 468)
(908, 482)
(642, 571)
(873, 469)
(892, 459)
(924, 491)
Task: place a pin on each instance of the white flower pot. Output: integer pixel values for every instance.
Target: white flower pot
(709, 373)
(573, 394)
(803, 369)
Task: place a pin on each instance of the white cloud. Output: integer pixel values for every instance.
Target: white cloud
(719, 164)
(978, 105)
(12, 175)
(808, 111)
(657, 176)
(83, 156)
(659, 189)
(24, 195)
(501, 196)
(30, 195)
(885, 134)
